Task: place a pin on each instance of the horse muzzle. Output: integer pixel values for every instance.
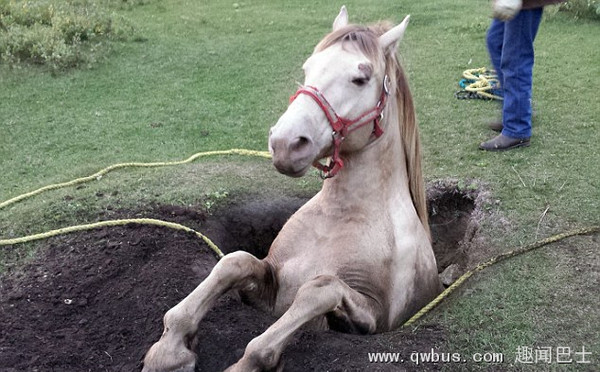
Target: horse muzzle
(292, 157)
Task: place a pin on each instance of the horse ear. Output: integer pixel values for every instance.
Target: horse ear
(392, 37)
(341, 20)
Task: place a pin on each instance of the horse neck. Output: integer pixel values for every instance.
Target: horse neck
(376, 172)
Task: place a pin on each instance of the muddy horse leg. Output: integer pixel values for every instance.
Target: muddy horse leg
(239, 270)
(324, 295)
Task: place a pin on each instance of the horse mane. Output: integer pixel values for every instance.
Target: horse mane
(366, 38)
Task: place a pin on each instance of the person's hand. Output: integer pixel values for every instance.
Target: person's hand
(505, 10)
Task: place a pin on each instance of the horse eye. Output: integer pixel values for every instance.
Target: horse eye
(360, 81)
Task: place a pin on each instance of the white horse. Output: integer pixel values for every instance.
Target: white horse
(357, 257)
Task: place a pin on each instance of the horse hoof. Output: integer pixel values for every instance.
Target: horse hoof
(163, 358)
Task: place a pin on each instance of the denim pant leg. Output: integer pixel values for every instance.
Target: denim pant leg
(516, 64)
(494, 41)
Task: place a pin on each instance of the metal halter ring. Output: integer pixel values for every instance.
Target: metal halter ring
(386, 85)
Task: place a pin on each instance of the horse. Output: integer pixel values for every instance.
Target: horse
(357, 257)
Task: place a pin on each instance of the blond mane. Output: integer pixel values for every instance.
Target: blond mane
(366, 39)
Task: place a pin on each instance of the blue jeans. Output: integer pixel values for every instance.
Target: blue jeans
(510, 45)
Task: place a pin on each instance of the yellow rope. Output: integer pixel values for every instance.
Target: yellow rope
(111, 223)
(526, 248)
(483, 82)
(99, 174)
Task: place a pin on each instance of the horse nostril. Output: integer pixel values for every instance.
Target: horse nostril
(300, 143)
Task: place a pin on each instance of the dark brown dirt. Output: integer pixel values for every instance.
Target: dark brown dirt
(451, 222)
(94, 301)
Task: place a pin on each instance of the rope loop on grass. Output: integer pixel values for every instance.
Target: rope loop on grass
(479, 83)
(501, 257)
(112, 223)
(98, 175)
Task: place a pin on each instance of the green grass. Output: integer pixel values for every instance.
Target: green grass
(210, 75)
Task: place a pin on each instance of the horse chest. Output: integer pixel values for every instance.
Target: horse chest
(360, 254)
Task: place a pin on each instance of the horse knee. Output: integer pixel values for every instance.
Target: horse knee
(176, 323)
(236, 264)
(265, 357)
(244, 272)
(171, 352)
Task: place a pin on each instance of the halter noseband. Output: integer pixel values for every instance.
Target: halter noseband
(342, 126)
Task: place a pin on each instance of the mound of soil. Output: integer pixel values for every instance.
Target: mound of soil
(94, 301)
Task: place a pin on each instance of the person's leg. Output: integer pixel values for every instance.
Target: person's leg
(494, 41)
(516, 65)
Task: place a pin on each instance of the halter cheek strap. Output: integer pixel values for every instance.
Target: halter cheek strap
(342, 126)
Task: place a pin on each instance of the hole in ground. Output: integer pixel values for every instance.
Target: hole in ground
(452, 227)
(253, 225)
(95, 300)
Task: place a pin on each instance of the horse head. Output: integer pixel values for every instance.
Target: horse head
(338, 108)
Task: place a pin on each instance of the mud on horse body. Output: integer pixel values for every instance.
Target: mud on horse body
(357, 257)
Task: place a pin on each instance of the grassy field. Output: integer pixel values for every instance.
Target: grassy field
(214, 75)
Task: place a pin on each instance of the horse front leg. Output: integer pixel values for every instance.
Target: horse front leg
(324, 295)
(238, 270)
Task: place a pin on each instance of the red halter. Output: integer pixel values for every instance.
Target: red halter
(343, 126)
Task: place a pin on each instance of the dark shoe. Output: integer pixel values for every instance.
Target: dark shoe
(496, 126)
(502, 143)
